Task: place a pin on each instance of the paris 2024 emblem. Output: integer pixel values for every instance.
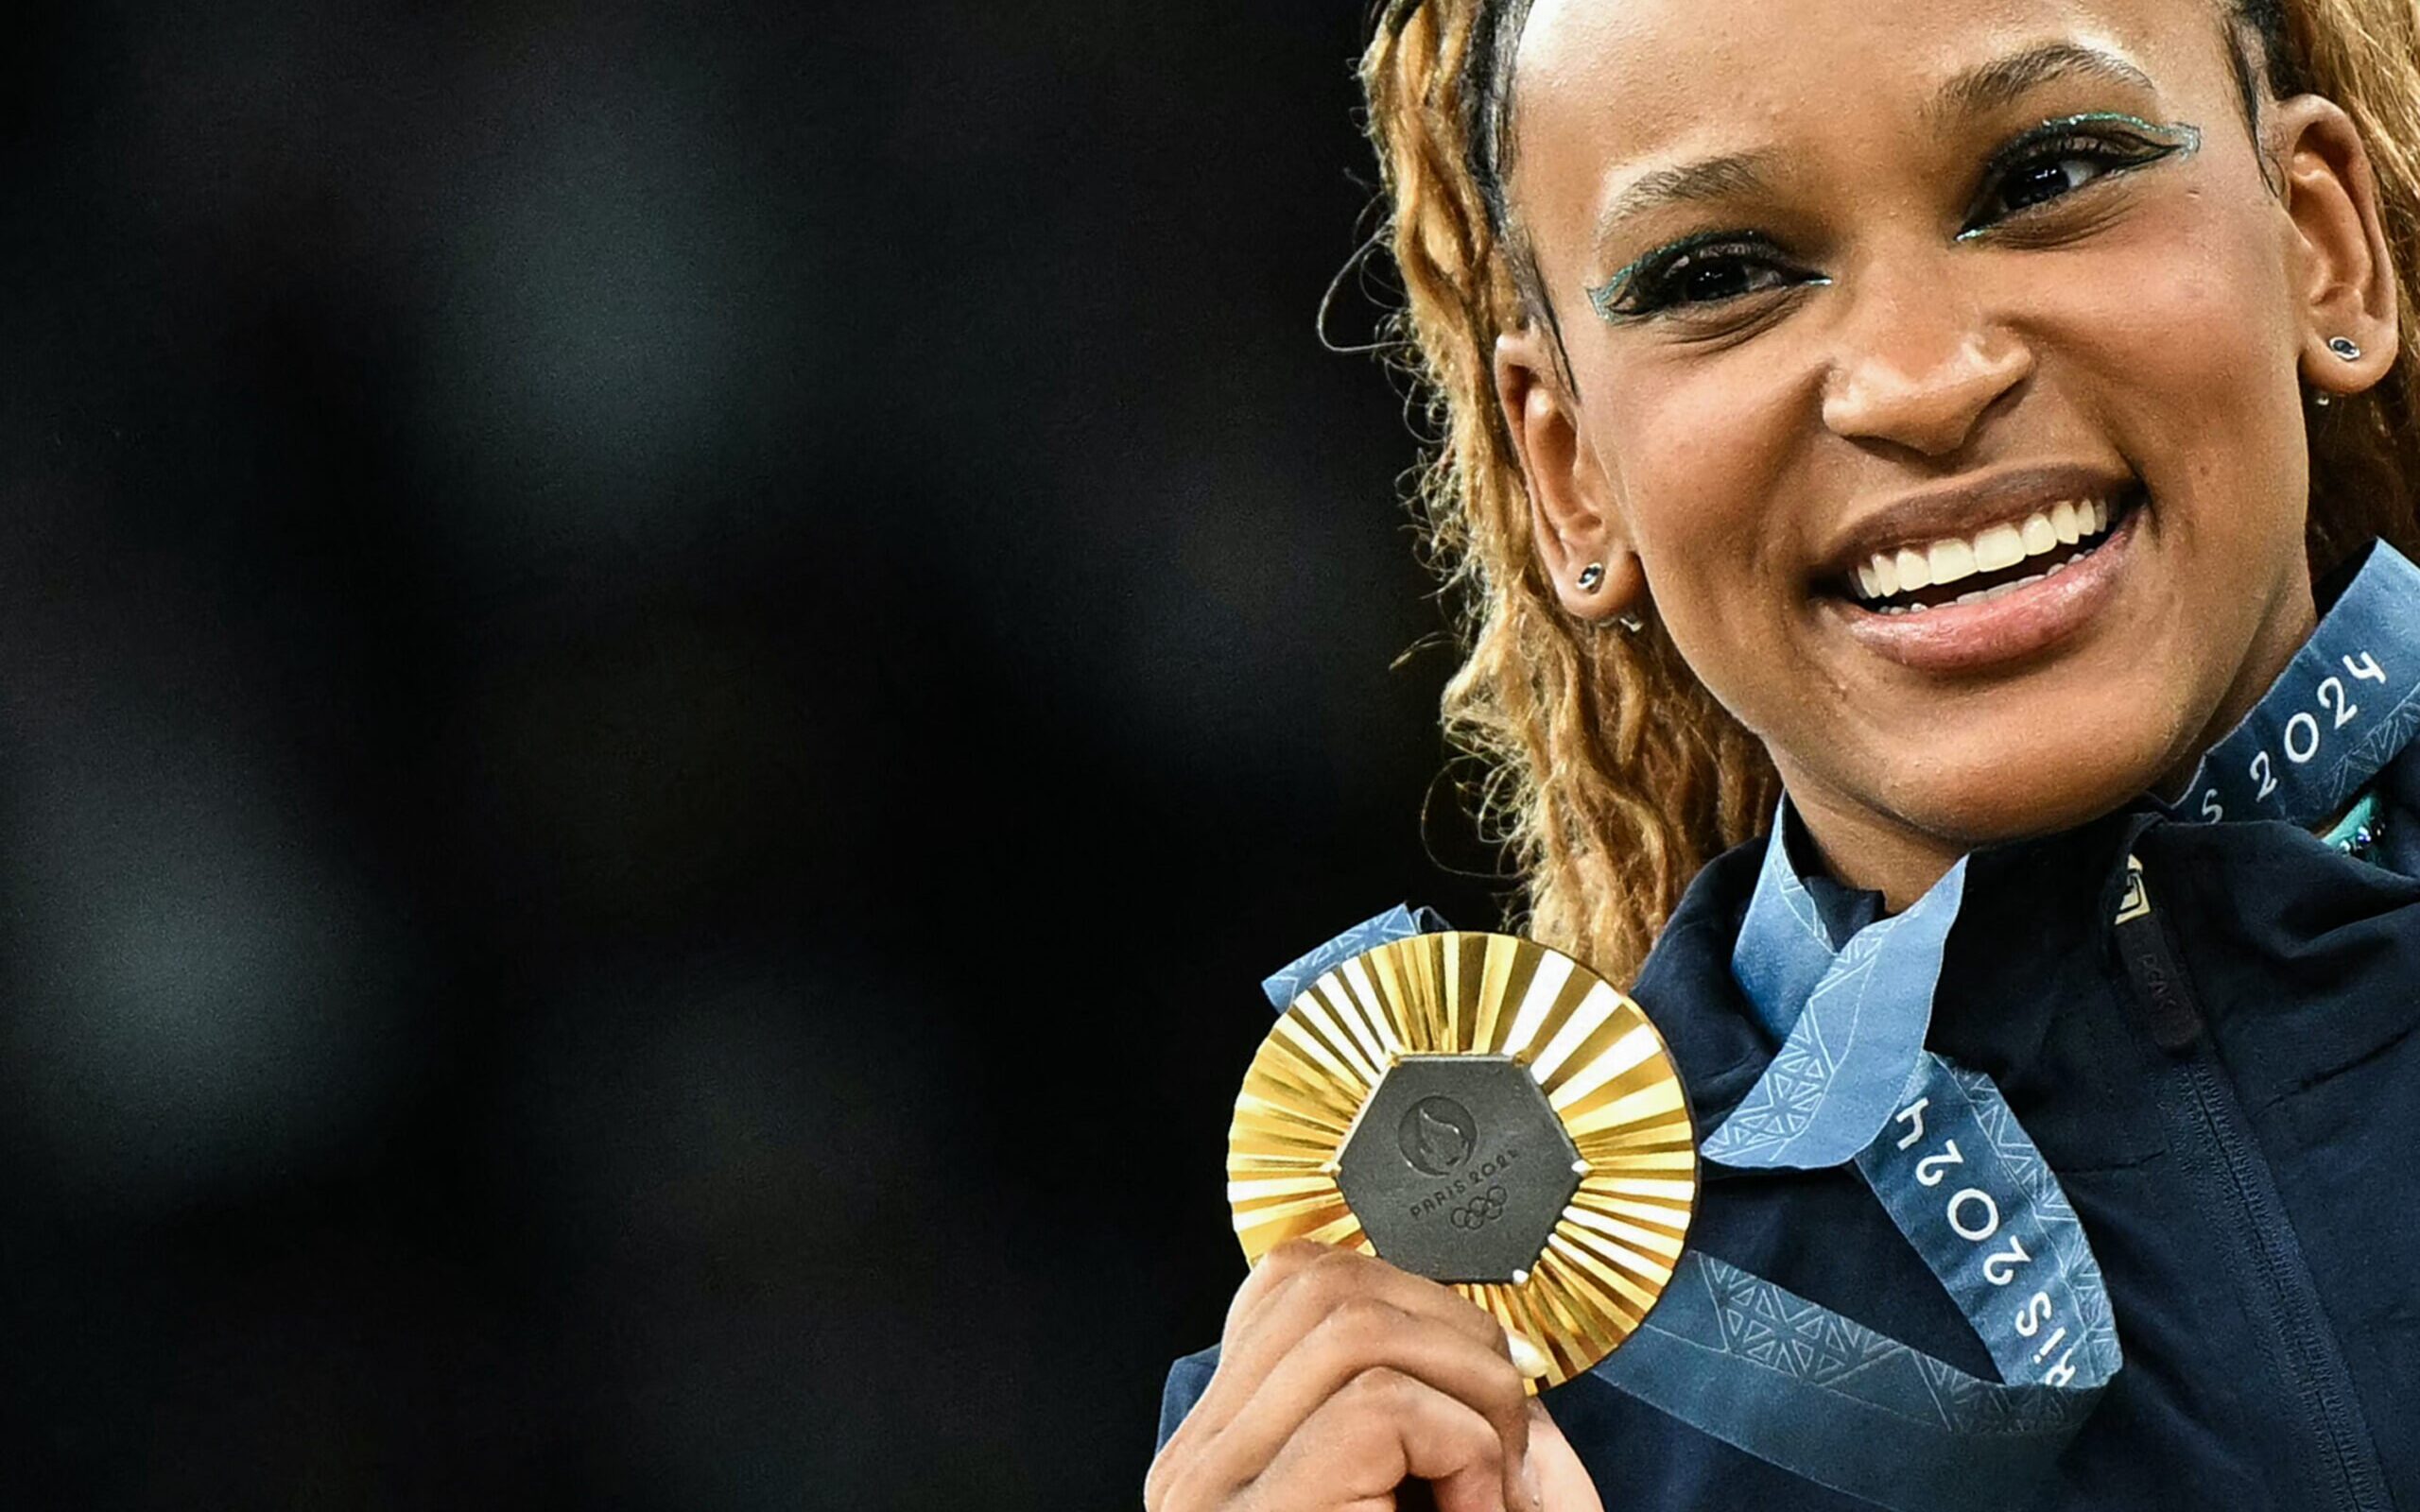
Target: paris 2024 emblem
(1457, 1168)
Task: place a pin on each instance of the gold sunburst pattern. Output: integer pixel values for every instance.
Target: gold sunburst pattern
(1604, 1070)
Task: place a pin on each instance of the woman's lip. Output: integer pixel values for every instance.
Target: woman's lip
(2018, 623)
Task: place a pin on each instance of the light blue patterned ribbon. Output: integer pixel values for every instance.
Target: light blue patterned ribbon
(1797, 1385)
(1851, 1020)
(1289, 981)
(1827, 1398)
(1824, 1396)
(2347, 704)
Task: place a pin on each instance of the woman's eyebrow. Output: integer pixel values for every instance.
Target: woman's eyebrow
(1732, 174)
(2005, 81)
(1985, 87)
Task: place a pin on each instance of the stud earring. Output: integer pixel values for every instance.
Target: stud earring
(1592, 577)
(2321, 398)
(2345, 346)
(1631, 623)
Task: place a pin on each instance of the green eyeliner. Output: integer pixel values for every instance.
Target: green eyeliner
(1603, 295)
(2174, 139)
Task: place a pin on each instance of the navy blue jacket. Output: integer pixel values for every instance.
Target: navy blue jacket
(2229, 1090)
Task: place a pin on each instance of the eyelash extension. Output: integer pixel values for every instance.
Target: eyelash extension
(2037, 144)
(2055, 138)
(1661, 263)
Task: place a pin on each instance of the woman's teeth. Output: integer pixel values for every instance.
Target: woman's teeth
(1995, 548)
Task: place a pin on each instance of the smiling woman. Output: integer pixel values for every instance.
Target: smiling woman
(2036, 193)
(2026, 267)
(1954, 456)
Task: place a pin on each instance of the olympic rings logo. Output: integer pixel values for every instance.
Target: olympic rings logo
(1480, 1211)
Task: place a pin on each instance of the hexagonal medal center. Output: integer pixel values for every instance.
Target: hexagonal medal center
(1457, 1168)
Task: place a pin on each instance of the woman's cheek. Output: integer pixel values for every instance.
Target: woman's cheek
(2173, 329)
(1704, 466)
(1705, 535)
(2174, 312)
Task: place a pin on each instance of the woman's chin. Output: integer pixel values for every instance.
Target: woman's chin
(1957, 784)
(2024, 796)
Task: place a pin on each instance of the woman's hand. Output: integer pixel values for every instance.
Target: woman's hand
(1339, 1379)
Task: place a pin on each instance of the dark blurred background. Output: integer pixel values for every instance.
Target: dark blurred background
(666, 674)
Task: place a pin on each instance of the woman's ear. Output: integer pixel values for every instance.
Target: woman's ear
(1581, 543)
(2343, 273)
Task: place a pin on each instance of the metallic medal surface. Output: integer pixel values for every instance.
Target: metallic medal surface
(1457, 1168)
(1485, 1112)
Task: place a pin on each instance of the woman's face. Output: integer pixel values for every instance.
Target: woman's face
(1900, 295)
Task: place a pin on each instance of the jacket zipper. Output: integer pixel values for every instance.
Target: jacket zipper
(2312, 1361)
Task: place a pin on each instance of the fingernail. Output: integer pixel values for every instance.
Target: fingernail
(1526, 1357)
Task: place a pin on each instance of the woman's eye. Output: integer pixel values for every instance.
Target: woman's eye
(1694, 276)
(2040, 182)
(2037, 172)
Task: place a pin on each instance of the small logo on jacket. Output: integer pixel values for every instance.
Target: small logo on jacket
(2136, 903)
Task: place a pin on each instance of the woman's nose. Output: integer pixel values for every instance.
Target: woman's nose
(1918, 365)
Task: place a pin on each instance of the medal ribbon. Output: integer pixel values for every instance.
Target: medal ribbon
(1792, 1381)
(1818, 1394)
(2343, 708)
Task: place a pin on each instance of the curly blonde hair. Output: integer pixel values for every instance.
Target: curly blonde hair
(1612, 775)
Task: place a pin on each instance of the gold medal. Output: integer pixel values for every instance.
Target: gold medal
(1485, 1112)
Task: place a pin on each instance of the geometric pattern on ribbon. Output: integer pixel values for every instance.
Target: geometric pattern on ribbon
(2016, 1150)
(1779, 1107)
(2022, 1159)
(2394, 731)
(2306, 748)
(1850, 1021)
(1788, 1096)
(1287, 981)
(1965, 1109)
(1796, 901)
(1767, 1325)
(1976, 1406)
(1786, 1332)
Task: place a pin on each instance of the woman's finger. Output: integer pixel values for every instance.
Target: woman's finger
(1360, 1336)
(1563, 1482)
(1383, 1428)
(1293, 1289)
